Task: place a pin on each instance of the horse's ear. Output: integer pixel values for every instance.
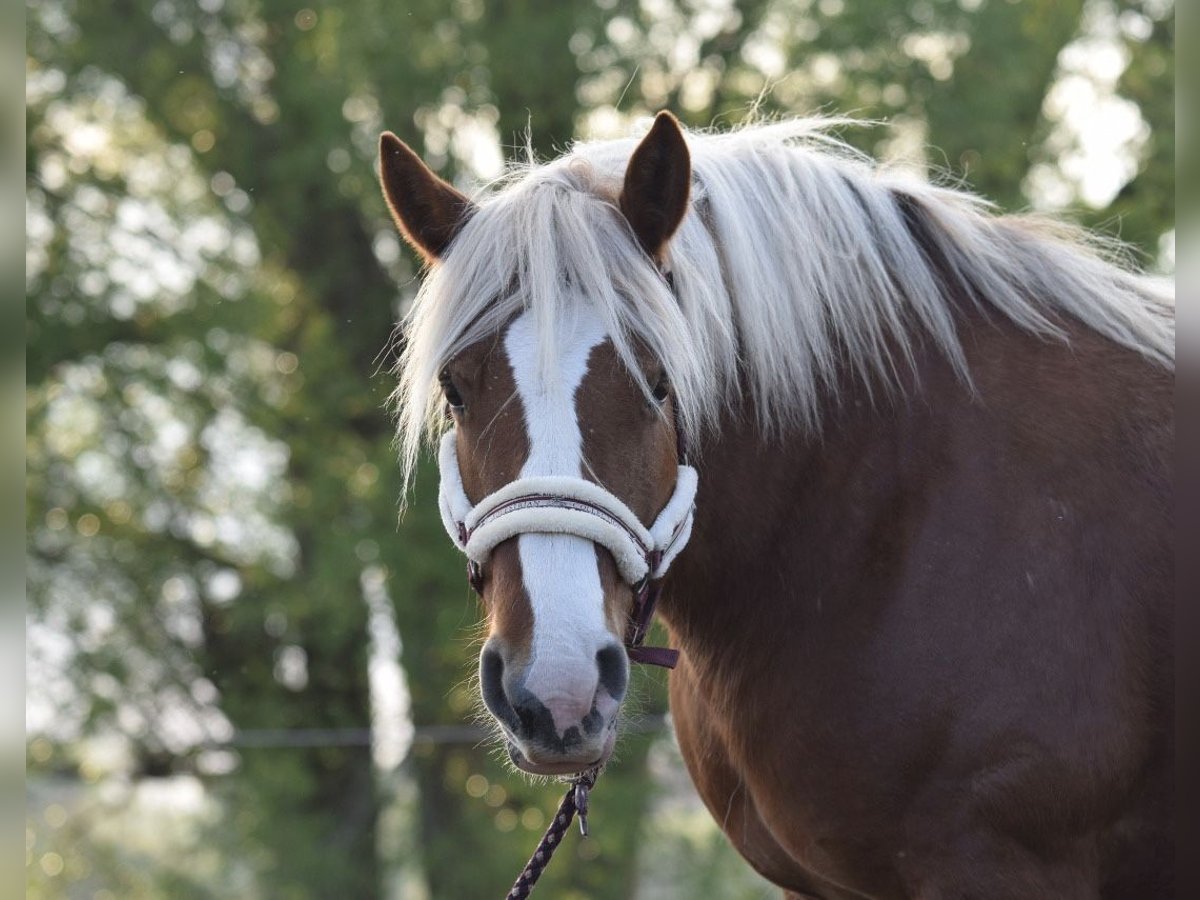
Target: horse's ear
(654, 197)
(428, 211)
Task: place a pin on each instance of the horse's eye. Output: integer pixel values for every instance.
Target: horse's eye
(661, 389)
(453, 398)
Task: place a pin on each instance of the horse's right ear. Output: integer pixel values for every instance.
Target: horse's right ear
(658, 181)
(428, 211)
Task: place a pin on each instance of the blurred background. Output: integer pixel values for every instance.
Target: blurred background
(244, 678)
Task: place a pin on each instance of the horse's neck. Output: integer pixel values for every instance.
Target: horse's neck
(793, 532)
(775, 518)
(785, 523)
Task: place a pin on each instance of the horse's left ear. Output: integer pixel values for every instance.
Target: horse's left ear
(428, 211)
(658, 180)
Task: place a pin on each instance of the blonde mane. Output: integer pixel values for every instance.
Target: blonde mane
(795, 260)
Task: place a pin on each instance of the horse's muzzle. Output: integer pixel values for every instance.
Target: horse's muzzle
(560, 727)
(565, 766)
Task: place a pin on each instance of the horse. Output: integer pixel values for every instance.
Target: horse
(914, 459)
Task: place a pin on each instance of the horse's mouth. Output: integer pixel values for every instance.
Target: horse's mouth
(556, 767)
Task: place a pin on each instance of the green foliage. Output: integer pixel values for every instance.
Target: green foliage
(212, 284)
(1145, 206)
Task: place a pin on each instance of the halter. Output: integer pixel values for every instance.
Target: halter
(574, 506)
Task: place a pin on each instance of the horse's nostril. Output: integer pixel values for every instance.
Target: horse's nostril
(491, 685)
(614, 670)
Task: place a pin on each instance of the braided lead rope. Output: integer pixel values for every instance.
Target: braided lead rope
(574, 801)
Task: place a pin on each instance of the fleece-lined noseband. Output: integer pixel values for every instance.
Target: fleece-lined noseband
(575, 506)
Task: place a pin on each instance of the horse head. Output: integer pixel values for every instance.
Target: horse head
(561, 476)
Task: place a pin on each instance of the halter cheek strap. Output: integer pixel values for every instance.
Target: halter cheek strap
(570, 505)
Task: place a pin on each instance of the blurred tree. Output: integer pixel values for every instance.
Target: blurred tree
(273, 113)
(963, 83)
(1145, 207)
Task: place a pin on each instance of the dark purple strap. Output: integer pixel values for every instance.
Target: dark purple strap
(645, 599)
(666, 657)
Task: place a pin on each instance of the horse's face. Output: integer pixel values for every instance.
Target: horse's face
(553, 670)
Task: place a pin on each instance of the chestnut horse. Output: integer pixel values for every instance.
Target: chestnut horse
(924, 614)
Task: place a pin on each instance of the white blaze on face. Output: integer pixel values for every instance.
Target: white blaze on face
(560, 571)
